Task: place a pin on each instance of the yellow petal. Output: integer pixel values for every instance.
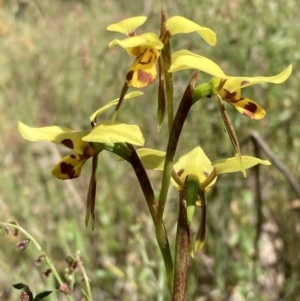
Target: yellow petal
(178, 24)
(185, 59)
(249, 108)
(232, 165)
(152, 158)
(148, 39)
(195, 164)
(56, 134)
(142, 73)
(242, 82)
(68, 168)
(127, 26)
(116, 132)
(114, 103)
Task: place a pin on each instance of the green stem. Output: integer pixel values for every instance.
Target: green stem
(91, 197)
(182, 112)
(166, 58)
(201, 91)
(145, 184)
(181, 252)
(85, 279)
(39, 248)
(119, 149)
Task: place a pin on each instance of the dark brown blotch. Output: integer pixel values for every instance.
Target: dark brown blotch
(250, 108)
(229, 96)
(129, 75)
(68, 169)
(68, 143)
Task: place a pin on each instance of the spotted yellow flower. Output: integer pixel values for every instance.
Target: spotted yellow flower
(197, 165)
(85, 144)
(146, 47)
(228, 87)
(70, 166)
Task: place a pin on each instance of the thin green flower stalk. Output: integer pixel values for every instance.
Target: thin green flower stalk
(40, 249)
(85, 278)
(146, 186)
(180, 117)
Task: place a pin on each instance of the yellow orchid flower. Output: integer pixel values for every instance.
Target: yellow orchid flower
(228, 87)
(146, 47)
(70, 166)
(82, 143)
(197, 165)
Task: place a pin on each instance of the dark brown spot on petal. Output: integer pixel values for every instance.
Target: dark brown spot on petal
(226, 95)
(73, 156)
(68, 143)
(68, 169)
(250, 108)
(129, 75)
(145, 77)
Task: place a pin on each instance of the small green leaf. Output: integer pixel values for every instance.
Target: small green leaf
(20, 286)
(25, 288)
(42, 295)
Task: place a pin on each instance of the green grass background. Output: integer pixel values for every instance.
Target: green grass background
(56, 69)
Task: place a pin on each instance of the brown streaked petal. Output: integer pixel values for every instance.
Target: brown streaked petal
(249, 108)
(142, 73)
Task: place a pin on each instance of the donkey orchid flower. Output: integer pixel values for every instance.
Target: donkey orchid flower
(146, 47)
(85, 144)
(228, 87)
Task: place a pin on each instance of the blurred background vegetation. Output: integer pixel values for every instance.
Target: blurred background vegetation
(56, 69)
